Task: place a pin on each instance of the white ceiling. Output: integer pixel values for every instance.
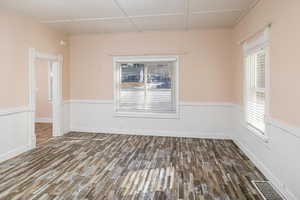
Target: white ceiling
(101, 16)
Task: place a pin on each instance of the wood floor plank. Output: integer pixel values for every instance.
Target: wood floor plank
(119, 167)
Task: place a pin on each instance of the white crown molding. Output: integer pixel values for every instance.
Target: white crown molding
(108, 18)
(215, 11)
(14, 152)
(185, 14)
(247, 11)
(81, 20)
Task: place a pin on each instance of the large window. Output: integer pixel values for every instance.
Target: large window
(146, 86)
(256, 65)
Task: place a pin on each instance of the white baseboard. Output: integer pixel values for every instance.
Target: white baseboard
(43, 120)
(202, 135)
(14, 153)
(67, 130)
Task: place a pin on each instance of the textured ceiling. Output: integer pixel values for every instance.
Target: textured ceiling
(101, 16)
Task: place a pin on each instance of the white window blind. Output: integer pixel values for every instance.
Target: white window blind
(255, 89)
(146, 87)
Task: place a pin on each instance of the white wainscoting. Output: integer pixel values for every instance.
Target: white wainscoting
(202, 120)
(15, 132)
(279, 158)
(66, 117)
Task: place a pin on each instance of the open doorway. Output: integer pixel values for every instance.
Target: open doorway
(43, 114)
(45, 98)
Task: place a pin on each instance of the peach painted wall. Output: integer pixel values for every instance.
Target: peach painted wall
(206, 70)
(43, 105)
(284, 55)
(17, 35)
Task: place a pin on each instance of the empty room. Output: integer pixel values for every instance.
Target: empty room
(149, 100)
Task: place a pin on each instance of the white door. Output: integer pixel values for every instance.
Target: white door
(57, 100)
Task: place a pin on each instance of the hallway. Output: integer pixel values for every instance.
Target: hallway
(43, 132)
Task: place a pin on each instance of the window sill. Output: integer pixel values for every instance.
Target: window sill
(147, 115)
(257, 133)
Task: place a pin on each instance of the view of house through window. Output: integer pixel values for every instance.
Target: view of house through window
(147, 87)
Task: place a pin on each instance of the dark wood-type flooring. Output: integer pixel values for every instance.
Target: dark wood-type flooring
(104, 166)
(43, 132)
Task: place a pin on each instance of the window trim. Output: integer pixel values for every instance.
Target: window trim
(118, 59)
(261, 43)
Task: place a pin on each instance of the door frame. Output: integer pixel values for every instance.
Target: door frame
(57, 100)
